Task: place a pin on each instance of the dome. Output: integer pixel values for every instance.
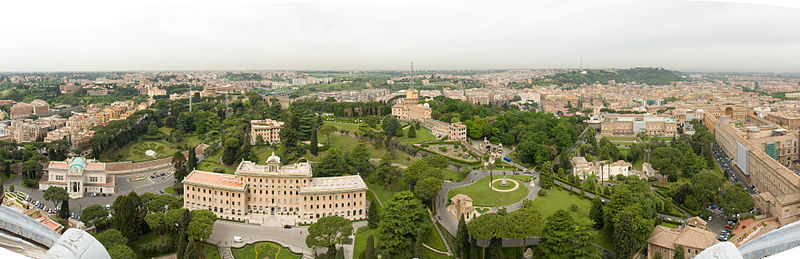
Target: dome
(273, 157)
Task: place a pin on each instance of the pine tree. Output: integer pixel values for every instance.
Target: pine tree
(373, 218)
(313, 147)
(369, 252)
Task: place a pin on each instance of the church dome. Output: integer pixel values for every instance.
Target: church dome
(274, 158)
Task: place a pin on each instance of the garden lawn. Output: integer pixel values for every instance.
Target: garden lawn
(384, 193)
(5, 179)
(433, 239)
(556, 199)
(350, 127)
(169, 190)
(250, 252)
(208, 251)
(360, 244)
(212, 161)
(134, 151)
(348, 143)
(483, 196)
(638, 164)
(452, 175)
(670, 225)
(423, 134)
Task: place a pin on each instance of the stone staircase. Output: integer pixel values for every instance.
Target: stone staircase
(225, 253)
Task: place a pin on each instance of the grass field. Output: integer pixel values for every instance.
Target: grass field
(351, 127)
(347, 144)
(483, 196)
(384, 193)
(556, 199)
(670, 224)
(452, 175)
(433, 239)
(169, 190)
(423, 134)
(249, 251)
(360, 244)
(5, 179)
(208, 251)
(638, 164)
(135, 150)
(211, 162)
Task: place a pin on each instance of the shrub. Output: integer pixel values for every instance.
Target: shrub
(11, 188)
(542, 192)
(31, 183)
(573, 207)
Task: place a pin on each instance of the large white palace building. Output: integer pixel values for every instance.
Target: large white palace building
(275, 194)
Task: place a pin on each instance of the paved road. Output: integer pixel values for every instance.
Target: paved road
(294, 238)
(153, 185)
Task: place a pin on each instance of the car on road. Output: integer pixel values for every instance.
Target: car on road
(287, 226)
(237, 239)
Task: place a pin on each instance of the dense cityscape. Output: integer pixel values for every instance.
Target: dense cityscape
(639, 162)
(386, 129)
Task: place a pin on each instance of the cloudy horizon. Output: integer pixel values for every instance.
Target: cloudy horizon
(705, 36)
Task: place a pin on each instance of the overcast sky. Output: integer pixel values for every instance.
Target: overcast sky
(682, 35)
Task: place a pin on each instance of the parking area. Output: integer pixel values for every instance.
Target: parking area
(153, 182)
(734, 175)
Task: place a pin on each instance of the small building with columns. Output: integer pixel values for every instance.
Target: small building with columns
(78, 175)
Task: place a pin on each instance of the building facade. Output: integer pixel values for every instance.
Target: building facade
(411, 109)
(630, 125)
(456, 131)
(275, 194)
(604, 169)
(694, 240)
(766, 155)
(78, 176)
(269, 130)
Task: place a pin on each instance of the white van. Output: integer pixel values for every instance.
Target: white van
(237, 239)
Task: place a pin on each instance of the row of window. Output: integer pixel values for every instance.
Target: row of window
(332, 197)
(208, 191)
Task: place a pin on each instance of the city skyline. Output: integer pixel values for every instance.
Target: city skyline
(704, 36)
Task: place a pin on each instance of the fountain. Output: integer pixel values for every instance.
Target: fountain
(150, 153)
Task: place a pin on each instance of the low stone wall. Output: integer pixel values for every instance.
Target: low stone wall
(748, 234)
(128, 167)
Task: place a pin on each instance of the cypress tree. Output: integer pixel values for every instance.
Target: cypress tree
(313, 148)
(372, 216)
(412, 132)
(462, 242)
(192, 162)
(64, 211)
(369, 251)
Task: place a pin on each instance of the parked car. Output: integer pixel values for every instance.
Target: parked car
(729, 226)
(287, 226)
(237, 239)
